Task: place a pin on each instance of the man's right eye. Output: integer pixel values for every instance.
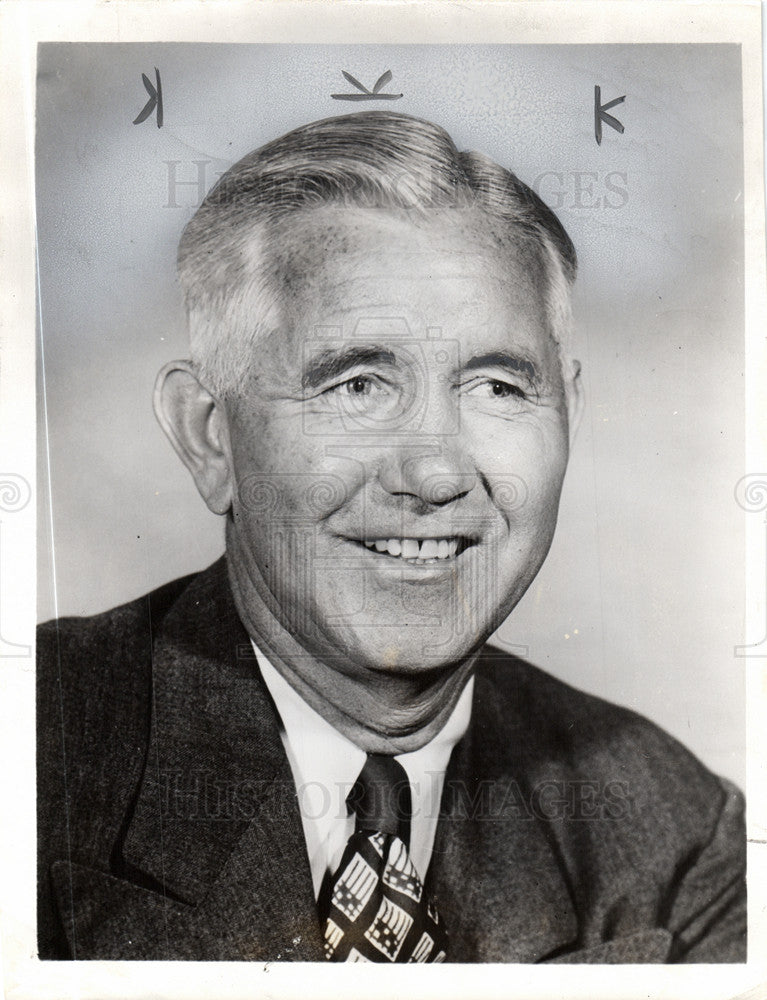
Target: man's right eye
(358, 385)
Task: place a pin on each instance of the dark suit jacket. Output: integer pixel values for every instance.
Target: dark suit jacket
(571, 830)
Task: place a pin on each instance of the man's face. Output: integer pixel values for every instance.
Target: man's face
(398, 454)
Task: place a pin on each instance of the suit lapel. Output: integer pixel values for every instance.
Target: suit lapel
(494, 871)
(216, 826)
(212, 730)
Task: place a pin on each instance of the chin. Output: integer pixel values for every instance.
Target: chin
(409, 650)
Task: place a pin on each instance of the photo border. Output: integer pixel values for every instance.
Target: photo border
(24, 23)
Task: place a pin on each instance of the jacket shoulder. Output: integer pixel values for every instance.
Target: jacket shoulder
(134, 618)
(579, 736)
(94, 675)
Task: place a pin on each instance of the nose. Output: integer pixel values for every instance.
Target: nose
(434, 470)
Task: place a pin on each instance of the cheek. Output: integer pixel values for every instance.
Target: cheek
(525, 465)
(287, 476)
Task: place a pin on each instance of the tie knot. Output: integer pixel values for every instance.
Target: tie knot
(381, 798)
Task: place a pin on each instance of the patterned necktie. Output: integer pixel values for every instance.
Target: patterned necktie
(375, 905)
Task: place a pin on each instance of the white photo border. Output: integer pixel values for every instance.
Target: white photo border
(22, 26)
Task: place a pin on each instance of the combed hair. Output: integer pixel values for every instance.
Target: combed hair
(228, 263)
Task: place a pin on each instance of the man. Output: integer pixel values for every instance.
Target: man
(307, 751)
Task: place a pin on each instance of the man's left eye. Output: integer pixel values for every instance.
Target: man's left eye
(497, 389)
(360, 385)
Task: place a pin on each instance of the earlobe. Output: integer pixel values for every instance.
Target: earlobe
(575, 399)
(195, 424)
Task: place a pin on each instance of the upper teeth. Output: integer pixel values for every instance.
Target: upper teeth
(413, 548)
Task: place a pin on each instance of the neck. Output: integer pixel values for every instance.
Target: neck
(382, 710)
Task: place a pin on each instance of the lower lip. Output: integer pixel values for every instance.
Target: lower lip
(438, 570)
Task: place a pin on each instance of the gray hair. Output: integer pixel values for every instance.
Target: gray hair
(227, 260)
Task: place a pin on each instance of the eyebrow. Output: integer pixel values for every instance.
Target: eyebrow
(502, 359)
(329, 364)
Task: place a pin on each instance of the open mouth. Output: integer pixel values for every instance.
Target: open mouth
(420, 551)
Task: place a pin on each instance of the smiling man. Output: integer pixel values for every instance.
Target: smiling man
(308, 751)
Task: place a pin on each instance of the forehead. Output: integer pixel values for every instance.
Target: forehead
(322, 247)
(351, 273)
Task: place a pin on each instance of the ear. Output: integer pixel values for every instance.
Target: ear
(195, 424)
(574, 397)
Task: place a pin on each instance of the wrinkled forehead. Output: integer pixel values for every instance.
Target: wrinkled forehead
(385, 278)
(324, 260)
(451, 239)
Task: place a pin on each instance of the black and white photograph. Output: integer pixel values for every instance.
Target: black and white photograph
(395, 498)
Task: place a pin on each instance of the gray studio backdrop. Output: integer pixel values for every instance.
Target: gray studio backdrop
(641, 599)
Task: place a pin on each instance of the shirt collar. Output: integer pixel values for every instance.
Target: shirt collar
(326, 763)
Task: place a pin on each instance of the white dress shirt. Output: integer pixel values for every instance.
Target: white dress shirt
(326, 764)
